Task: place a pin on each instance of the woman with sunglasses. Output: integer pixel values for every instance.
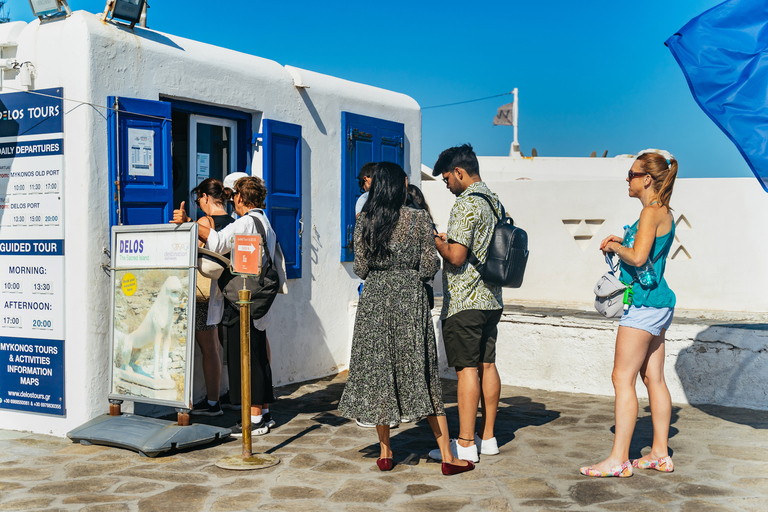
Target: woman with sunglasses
(211, 198)
(640, 339)
(393, 371)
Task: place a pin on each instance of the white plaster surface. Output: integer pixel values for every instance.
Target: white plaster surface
(716, 266)
(92, 60)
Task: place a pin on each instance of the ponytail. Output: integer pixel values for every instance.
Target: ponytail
(665, 190)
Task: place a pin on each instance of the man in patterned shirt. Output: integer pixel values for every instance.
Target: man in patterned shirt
(471, 309)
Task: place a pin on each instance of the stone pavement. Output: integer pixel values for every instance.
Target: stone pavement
(328, 463)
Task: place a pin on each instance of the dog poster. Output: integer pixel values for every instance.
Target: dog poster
(152, 314)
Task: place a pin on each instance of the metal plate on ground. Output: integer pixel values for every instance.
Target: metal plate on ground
(148, 436)
(255, 461)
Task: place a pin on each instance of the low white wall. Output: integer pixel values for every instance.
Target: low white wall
(717, 261)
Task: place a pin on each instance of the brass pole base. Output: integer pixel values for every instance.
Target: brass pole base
(255, 461)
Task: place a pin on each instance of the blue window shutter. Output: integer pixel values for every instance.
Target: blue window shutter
(139, 199)
(366, 139)
(282, 175)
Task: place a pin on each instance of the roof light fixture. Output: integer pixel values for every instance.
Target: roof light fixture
(126, 10)
(50, 9)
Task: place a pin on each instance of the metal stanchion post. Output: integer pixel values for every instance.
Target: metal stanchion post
(247, 460)
(245, 369)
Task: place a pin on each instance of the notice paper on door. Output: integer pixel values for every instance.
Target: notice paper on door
(203, 166)
(141, 159)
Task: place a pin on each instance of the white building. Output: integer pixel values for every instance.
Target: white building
(210, 111)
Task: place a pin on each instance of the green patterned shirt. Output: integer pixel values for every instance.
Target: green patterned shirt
(470, 224)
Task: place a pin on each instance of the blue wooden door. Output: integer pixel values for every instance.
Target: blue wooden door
(282, 176)
(140, 169)
(367, 139)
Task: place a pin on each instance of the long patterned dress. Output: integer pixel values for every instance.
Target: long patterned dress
(393, 371)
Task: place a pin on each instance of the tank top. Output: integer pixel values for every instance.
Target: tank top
(660, 295)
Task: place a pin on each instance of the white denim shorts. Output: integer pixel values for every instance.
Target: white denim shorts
(648, 319)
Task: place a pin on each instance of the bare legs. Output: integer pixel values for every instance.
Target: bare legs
(489, 399)
(638, 351)
(209, 346)
(386, 449)
(475, 385)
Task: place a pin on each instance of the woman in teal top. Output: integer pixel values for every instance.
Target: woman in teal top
(640, 339)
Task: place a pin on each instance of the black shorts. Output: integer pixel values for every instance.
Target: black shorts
(470, 337)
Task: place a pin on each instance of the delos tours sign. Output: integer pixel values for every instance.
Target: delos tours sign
(32, 252)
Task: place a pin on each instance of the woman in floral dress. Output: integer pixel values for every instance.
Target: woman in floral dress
(393, 371)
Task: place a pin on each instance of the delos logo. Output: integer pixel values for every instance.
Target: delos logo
(131, 246)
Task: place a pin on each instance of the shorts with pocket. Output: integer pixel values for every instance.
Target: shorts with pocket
(470, 337)
(648, 319)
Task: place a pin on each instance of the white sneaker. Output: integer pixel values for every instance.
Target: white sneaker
(486, 446)
(460, 452)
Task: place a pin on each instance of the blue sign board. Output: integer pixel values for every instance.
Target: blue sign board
(32, 252)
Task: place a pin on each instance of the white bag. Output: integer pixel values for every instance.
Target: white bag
(609, 292)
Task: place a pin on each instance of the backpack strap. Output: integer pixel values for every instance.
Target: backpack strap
(470, 256)
(263, 234)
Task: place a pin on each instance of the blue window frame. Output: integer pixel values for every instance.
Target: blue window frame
(366, 139)
(282, 176)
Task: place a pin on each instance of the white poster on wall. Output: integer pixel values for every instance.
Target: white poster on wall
(203, 166)
(141, 159)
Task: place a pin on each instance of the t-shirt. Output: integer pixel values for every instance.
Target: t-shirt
(470, 224)
(360, 203)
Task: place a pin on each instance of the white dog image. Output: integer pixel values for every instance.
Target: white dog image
(155, 328)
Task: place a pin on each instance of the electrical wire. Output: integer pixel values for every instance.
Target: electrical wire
(467, 101)
(80, 103)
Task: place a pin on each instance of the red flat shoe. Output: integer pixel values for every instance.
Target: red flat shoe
(385, 464)
(453, 469)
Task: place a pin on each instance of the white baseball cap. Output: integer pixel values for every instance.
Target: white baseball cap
(231, 179)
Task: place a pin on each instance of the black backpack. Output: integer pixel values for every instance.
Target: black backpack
(507, 253)
(264, 287)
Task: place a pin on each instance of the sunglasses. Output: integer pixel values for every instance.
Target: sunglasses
(445, 178)
(632, 175)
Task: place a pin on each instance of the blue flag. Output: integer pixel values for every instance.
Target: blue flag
(724, 56)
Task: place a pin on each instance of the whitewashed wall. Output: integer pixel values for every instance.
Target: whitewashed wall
(92, 60)
(715, 355)
(716, 261)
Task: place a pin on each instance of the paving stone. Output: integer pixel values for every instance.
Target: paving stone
(243, 501)
(751, 469)
(10, 486)
(752, 484)
(530, 488)
(26, 474)
(163, 476)
(702, 491)
(419, 489)
(83, 486)
(338, 467)
(353, 491)
(140, 487)
(244, 483)
(497, 504)
(662, 497)
(93, 498)
(304, 460)
(410, 477)
(191, 496)
(78, 470)
(82, 449)
(550, 504)
(748, 504)
(294, 506)
(435, 504)
(360, 508)
(739, 452)
(705, 506)
(106, 507)
(637, 505)
(26, 504)
(292, 492)
(593, 491)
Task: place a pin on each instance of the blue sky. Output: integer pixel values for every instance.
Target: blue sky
(592, 75)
